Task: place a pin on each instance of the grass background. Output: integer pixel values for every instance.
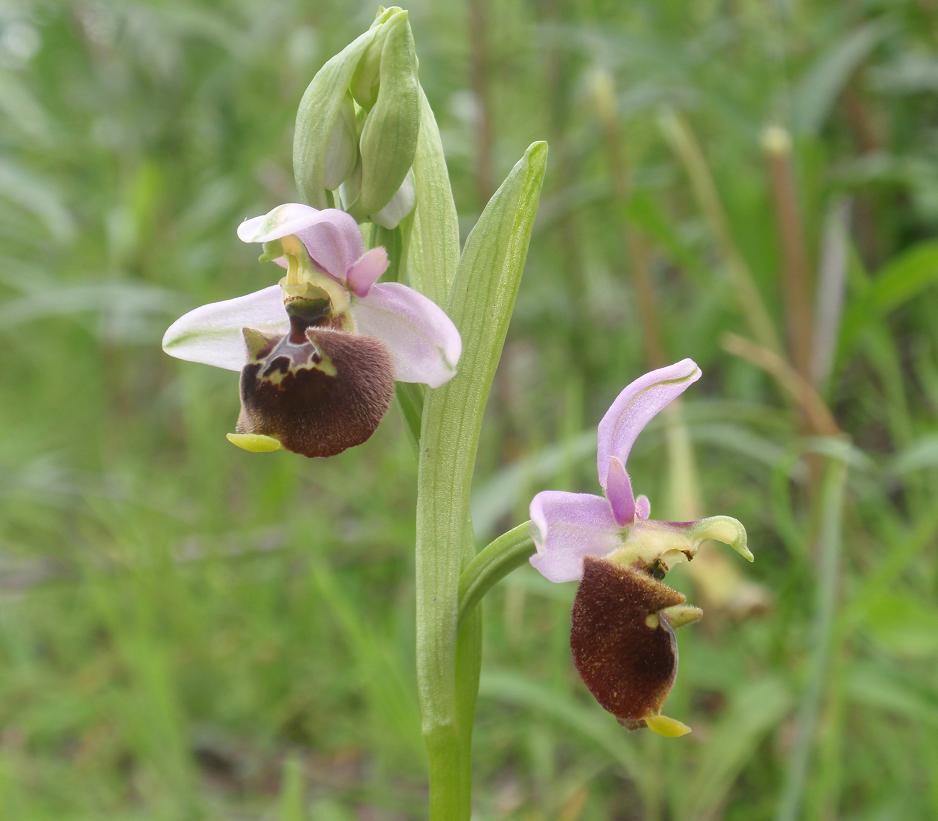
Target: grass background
(187, 631)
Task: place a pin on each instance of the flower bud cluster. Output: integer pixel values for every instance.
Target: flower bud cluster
(357, 125)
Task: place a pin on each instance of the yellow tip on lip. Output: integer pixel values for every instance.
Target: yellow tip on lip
(667, 727)
(254, 442)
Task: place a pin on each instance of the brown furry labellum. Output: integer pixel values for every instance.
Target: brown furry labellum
(317, 390)
(628, 663)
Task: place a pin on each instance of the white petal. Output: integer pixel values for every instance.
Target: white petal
(399, 206)
(211, 334)
(423, 341)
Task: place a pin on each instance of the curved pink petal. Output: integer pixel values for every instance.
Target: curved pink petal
(642, 508)
(566, 528)
(637, 404)
(211, 334)
(290, 218)
(331, 236)
(424, 343)
(366, 270)
(619, 492)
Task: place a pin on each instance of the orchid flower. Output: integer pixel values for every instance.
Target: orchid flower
(621, 636)
(319, 352)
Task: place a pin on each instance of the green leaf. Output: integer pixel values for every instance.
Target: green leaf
(428, 238)
(824, 81)
(829, 508)
(481, 305)
(410, 400)
(899, 281)
(431, 232)
(448, 654)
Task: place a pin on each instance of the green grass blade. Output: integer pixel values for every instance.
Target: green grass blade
(831, 512)
(587, 721)
(754, 711)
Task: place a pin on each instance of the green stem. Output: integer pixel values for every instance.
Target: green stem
(499, 558)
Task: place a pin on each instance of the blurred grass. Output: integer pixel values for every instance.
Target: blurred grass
(190, 632)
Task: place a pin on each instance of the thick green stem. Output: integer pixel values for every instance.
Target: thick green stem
(449, 747)
(495, 561)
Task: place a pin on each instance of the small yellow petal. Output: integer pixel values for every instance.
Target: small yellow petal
(254, 442)
(667, 727)
(681, 614)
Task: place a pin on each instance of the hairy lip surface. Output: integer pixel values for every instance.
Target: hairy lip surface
(627, 665)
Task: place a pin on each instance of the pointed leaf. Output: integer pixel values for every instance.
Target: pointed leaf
(431, 232)
(481, 304)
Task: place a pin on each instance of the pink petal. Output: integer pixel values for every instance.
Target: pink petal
(619, 492)
(211, 334)
(331, 236)
(642, 508)
(424, 343)
(366, 269)
(281, 221)
(636, 406)
(567, 527)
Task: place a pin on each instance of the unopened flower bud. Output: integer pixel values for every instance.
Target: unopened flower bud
(341, 146)
(367, 77)
(389, 135)
(321, 138)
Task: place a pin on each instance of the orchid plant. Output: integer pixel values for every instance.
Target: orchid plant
(319, 353)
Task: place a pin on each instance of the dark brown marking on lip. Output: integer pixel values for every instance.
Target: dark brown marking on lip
(280, 363)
